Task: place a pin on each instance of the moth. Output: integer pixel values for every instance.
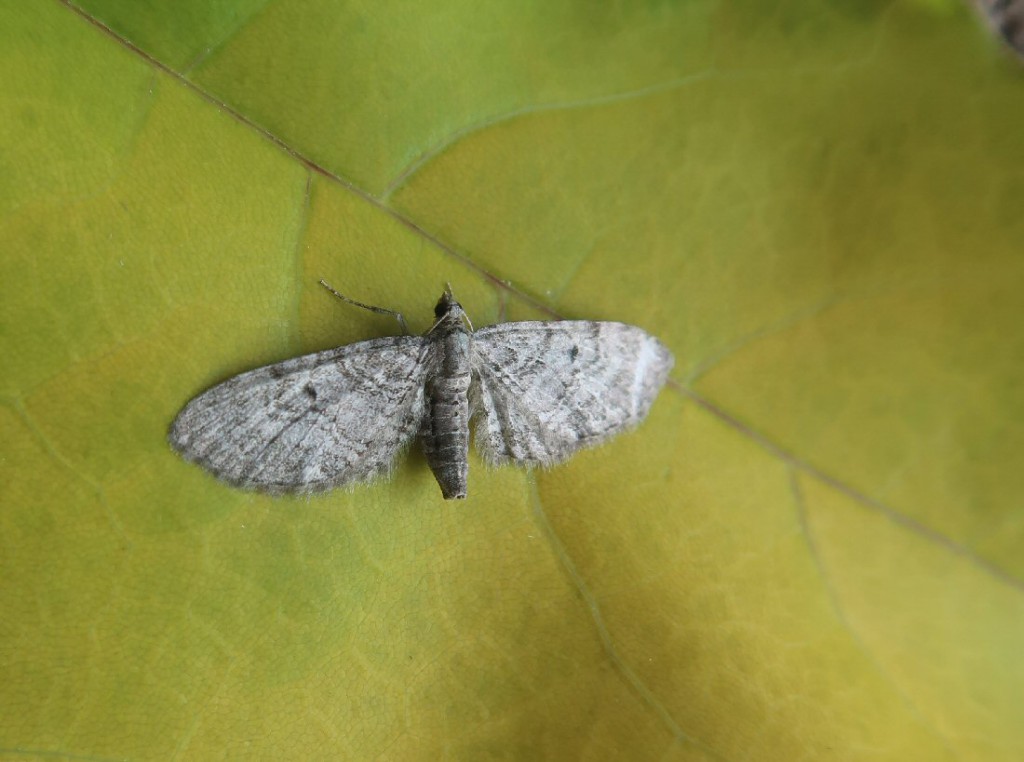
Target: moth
(539, 391)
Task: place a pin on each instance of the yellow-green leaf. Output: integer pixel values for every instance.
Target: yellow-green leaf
(812, 550)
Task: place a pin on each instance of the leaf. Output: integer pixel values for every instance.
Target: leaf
(810, 550)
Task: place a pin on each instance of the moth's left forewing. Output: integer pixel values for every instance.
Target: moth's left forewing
(311, 423)
(544, 390)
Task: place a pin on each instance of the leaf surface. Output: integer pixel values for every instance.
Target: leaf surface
(811, 550)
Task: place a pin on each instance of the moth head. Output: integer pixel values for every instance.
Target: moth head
(447, 306)
(448, 310)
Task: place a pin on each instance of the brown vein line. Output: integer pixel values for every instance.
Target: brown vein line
(208, 97)
(851, 492)
(461, 258)
(311, 165)
(631, 678)
(800, 503)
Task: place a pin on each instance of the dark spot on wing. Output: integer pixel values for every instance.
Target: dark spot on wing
(573, 353)
(310, 391)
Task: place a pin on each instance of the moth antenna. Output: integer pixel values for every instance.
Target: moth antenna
(379, 310)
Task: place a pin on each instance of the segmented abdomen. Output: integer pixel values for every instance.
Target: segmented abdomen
(446, 440)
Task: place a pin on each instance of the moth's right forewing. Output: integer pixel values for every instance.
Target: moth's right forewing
(543, 390)
(310, 423)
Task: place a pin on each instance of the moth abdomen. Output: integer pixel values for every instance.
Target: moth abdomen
(446, 438)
